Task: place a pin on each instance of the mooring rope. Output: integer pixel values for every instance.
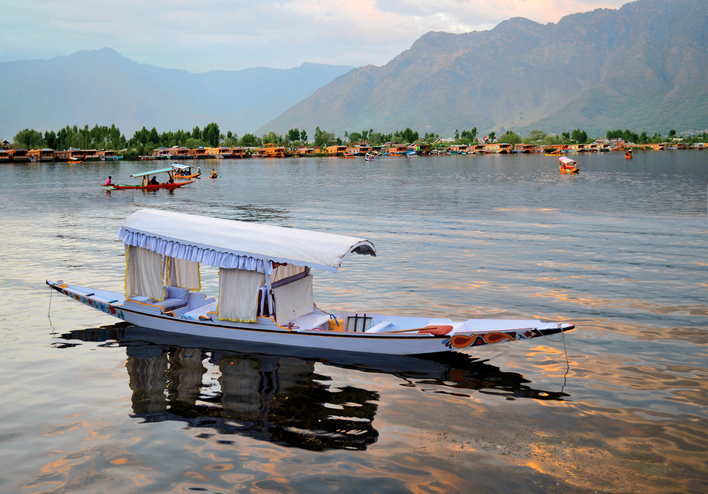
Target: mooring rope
(565, 351)
(49, 311)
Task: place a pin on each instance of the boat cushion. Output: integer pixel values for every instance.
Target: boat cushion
(438, 330)
(176, 292)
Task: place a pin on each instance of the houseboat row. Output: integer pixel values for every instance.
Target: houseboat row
(351, 151)
(50, 155)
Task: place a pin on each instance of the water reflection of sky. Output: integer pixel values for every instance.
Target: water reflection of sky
(619, 250)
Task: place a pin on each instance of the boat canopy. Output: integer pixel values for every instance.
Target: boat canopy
(566, 161)
(235, 244)
(181, 167)
(153, 172)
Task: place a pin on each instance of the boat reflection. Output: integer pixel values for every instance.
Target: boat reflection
(265, 394)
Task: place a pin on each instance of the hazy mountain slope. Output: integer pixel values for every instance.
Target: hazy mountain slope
(643, 67)
(102, 87)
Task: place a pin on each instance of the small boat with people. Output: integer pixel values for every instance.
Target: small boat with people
(629, 154)
(568, 165)
(265, 292)
(151, 183)
(184, 172)
(368, 157)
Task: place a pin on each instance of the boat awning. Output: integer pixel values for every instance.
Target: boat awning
(153, 172)
(236, 244)
(566, 161)
(181, 167)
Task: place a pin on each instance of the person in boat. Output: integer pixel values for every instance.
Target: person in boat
(153, 181)
(108, 180)
(213, 174)
(199, 171)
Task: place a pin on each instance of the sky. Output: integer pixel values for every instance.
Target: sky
(203, 35)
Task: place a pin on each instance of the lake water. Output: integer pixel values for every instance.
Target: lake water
(90, 404)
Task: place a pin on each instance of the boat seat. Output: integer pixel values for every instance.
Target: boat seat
(200, 312)
(378, 328)
(310, 321)
(170, 303)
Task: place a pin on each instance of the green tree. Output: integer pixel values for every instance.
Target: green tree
(535, 136)
(153, 137)
(250, 141)
(51, 139)
(303, 136)
(272, 138)
(323, 138)
(210, 134)
(30, 139)
(294, 134)
(510, 137)
(469, 136)
(579, 136)
(193, 143)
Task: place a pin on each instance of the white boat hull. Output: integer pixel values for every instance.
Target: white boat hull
(391, 341)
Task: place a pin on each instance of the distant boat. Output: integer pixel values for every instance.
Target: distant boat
(184, 172)
(151, 184)
(628, 155)
(369, 157)
(568, 165)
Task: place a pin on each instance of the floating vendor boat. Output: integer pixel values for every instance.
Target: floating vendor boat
(266, 290)
(151, 184)
(568, 165)
(184, 172)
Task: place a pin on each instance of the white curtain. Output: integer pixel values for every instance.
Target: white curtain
(238, 294)
(183, 273)
(143, 273)
(293, 300)
(285, 271)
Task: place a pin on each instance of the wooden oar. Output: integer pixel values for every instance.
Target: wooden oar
(408, 330)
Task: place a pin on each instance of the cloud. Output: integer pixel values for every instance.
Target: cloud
(234, 34)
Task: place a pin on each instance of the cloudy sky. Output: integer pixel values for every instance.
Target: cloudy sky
(203, 35)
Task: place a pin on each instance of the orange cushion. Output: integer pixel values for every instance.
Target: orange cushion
(440, 329)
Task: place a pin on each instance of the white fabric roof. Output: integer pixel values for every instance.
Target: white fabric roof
(566, 161)
(236, 238)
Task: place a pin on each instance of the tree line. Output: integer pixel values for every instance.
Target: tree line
(145, 141)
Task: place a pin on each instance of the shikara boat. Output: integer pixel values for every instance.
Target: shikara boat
(629, 154)
(266, 290)
(151, 184)
(568, 165)
(184, 172)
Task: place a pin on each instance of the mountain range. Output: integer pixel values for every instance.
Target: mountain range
(102, 87)
(643, 67)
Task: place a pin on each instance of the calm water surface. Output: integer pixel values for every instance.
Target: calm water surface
(90, 404)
